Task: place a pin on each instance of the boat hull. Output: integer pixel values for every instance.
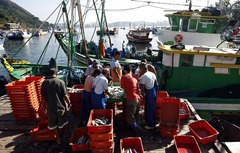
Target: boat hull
(138, 40)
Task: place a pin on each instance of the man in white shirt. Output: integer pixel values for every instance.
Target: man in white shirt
(90, 69)
(148, 86)
(100, 86)
(116, 69)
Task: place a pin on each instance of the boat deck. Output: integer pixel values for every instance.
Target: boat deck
(15, 137)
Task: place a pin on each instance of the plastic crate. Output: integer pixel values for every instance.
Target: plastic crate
(101, 137)
(74, 95)
(108, 113)
(42, 133)
(203, 131)
(105, 150)
(168, 132)
(184, 112)
(101, 144)
(78, 132)
(186, 144)
(169, 114)
(132, 142)
(160, 96)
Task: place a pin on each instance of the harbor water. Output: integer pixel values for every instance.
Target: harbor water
(33, 49)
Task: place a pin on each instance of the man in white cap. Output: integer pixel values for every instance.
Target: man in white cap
(100, 86)
(95, 65)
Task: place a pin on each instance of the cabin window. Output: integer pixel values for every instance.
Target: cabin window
(222, 70)
(186, 60)
(193, 24)
(174, 22)
(206, 25)
(184, 24)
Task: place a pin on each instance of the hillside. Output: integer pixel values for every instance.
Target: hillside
(11, 12)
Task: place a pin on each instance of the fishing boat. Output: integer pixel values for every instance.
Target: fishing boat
(198, 27)
(18, 35)
(110, 32)
(138, 36)
(80, 50)
(208, 76)
(40, 32)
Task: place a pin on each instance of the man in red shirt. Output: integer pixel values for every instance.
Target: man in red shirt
(130, 86)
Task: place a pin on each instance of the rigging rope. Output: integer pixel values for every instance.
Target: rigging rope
(36, 30)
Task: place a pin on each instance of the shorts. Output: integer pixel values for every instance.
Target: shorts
(57, 120)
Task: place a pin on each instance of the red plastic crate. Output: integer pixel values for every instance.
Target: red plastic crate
(42, 133)
(132, 142)
(105, 150)
(186, 144)
(75, 99)
(108, 113)
(203, 131)
(78, 132)
(101, 137)
(101, 144)
(76, 95)
(160, 96)
(169, 114)
(184, 112)
(168, 132)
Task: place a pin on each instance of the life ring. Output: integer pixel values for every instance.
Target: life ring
(178, 38)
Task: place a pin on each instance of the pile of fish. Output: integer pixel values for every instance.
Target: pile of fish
(116, 92)
(76, 90)
(100, 121)
(129, 150)
(82, 140)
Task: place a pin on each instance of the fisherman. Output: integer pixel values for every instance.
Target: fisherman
(123, 46)
(149, 51)
(86, 104)
(90, 69)
(100, 86)
(133, 53)
(130, 86)
(150, 67)
(90, 61)
(116, 69)
(56, 100)
(137, 71)
(148, 86)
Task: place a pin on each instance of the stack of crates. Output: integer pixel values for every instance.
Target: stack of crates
(38, 80)
(101, 137)
(75, 95)
(169, 117)
(160, 96)
(131, 143)
(24, 100)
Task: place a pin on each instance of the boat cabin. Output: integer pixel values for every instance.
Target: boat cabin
(201, 22)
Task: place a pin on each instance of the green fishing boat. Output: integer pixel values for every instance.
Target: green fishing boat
(207, 75)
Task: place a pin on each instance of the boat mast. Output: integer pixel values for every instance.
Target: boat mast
(81, 25)
(71, 45)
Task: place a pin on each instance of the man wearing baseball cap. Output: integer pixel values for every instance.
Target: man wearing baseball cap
(95, 65)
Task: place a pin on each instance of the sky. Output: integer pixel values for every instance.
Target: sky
(43, 8)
